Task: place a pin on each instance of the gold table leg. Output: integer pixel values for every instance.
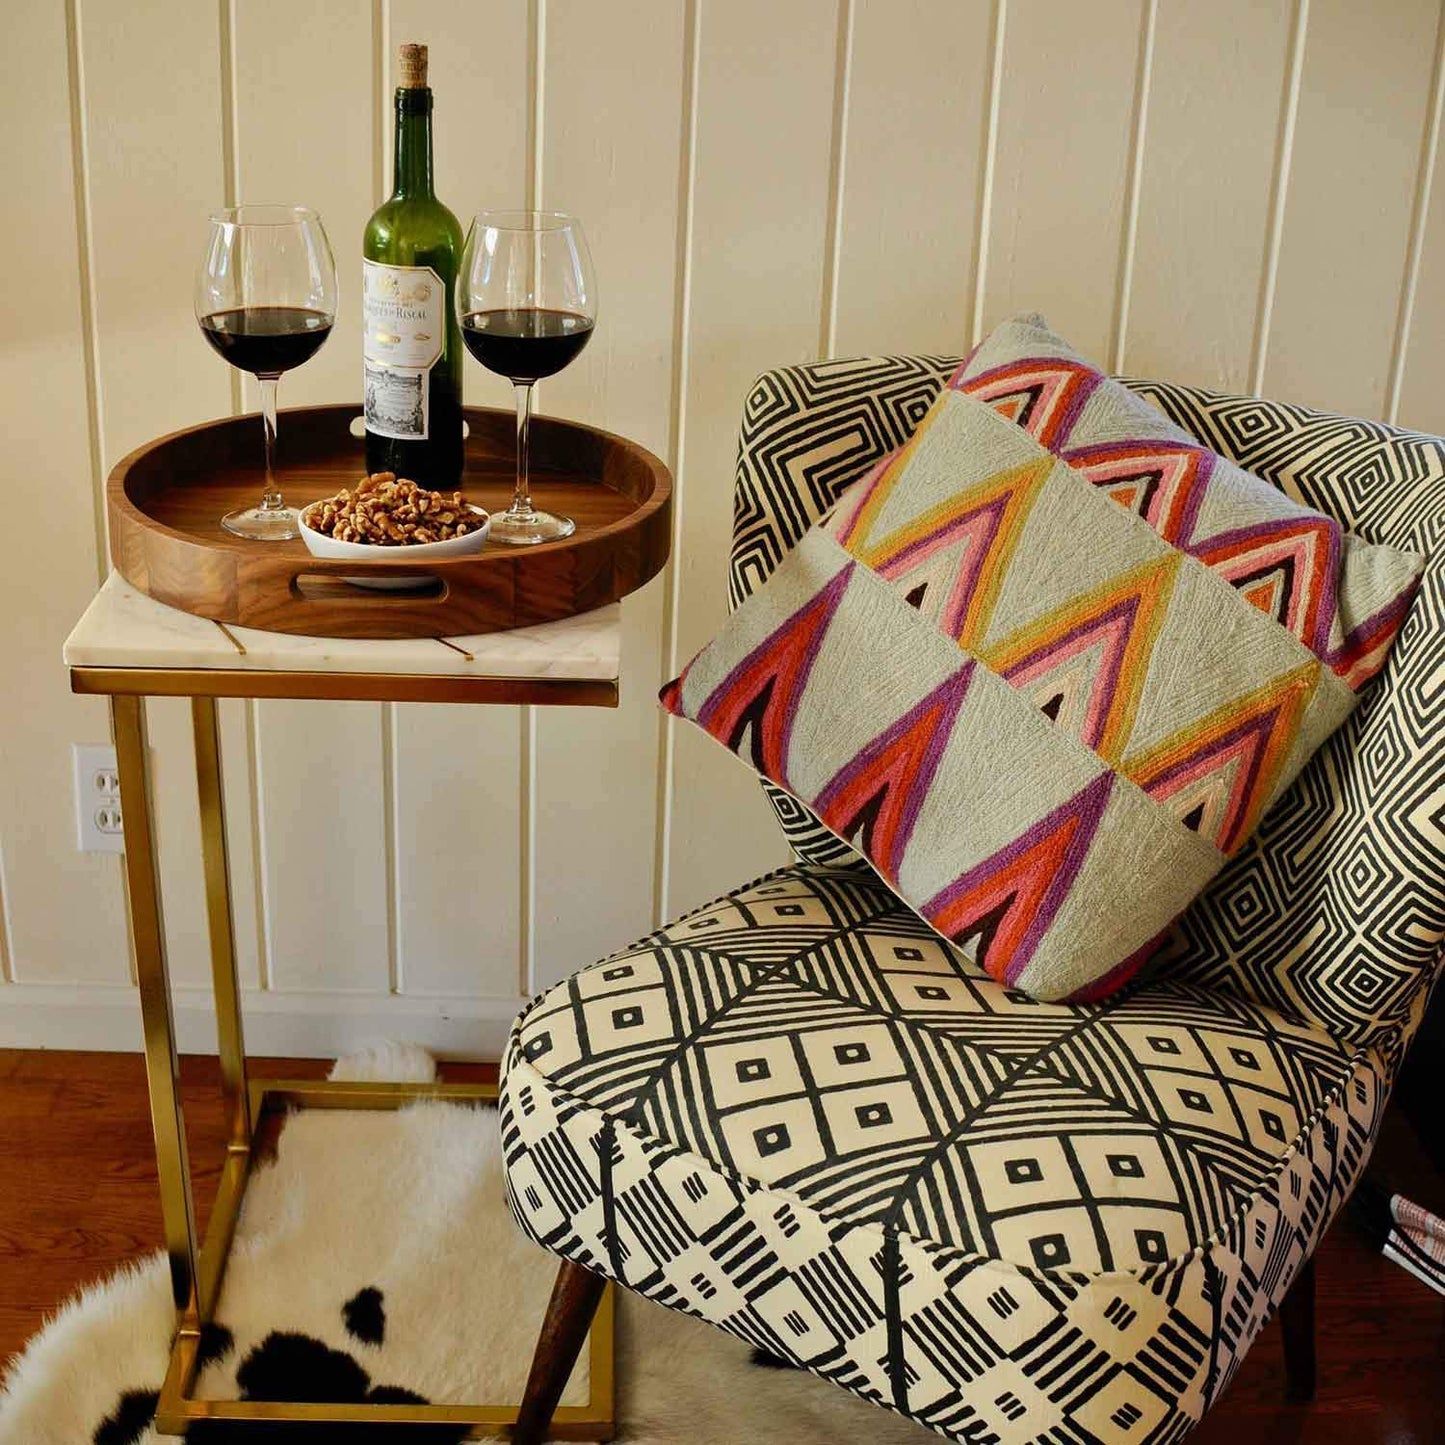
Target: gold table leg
(225, 984)
(143, 896)
(230, 1036)
(196, 1276)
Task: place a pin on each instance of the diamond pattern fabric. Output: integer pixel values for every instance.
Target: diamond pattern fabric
(802, 1115)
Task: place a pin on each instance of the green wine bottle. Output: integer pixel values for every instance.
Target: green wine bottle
(413, 347)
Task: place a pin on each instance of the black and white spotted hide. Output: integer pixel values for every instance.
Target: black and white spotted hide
(294, 1367)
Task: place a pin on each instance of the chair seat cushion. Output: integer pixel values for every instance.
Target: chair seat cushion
(800, 1114)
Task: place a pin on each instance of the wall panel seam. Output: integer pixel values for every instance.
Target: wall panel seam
(267, 938)
(84, 243)
(1419, 221)
(828, 324)
(1130, 232)
(386, 712)
(380, 36)
(258, 847)
(677, 427)
(986, 171)
(390, 849)
(527, 846)
(230, 152)
(1284, 154)
(231, 188)
(527, 901)
(7, 972)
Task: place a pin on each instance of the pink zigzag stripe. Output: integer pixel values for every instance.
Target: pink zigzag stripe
(1088, 805)
(1195, 499)
(1329, 600)
(952, 691)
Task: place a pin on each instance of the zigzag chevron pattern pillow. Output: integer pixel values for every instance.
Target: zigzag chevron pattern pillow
(1343, 598)
(1023, 701)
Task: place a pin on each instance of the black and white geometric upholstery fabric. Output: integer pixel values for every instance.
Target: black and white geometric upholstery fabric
(801, 1115)
(1335, 911)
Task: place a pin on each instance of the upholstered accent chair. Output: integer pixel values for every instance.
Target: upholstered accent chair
(798, 1114)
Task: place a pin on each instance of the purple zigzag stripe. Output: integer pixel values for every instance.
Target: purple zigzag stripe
(951, 692)
(1329, 602)
(1394, 611)
(1189, 518)
(1088, 806)
(899, 563)
(830, 597)
(1125, 606)
(1090, 380)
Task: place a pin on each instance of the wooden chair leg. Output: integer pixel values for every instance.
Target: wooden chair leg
(575, 1297)
(1297, 1321)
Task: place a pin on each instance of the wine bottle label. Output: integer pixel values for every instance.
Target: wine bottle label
(404, 312)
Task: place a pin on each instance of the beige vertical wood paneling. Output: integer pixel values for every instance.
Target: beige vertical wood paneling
(458, 770)
(760, 220)
(323, 846)
(63, 908)
(612, 156)
(154, 141)
(1365, 99)
(917, 112)
(1064, 156)
(1214, 117)
(303, 135)
(1419, 399)
(1228, 194)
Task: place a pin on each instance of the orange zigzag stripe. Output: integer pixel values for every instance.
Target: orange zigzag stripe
(1257, 731)
(1009, 495)
(1126, 613)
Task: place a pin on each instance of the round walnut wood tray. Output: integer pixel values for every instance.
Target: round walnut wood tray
(166, 500)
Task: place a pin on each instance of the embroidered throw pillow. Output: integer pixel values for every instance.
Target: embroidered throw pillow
(1044, 720)
(1342, 597)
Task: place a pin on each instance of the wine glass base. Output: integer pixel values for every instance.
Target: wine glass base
(526, 529)
(263, 524)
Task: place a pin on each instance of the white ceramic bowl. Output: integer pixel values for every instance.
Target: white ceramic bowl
(320, 545)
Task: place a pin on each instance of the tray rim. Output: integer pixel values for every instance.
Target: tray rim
(118, 498)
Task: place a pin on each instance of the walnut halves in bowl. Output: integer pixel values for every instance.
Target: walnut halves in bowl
(386, 511)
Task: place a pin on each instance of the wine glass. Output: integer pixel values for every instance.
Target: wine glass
(527, 303)
(266, 300)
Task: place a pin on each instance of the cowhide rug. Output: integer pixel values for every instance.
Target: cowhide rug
(375, 1259)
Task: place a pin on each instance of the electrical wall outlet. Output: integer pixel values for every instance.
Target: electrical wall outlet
(99, 827)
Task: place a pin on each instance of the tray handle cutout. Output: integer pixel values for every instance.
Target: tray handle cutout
(320, 579)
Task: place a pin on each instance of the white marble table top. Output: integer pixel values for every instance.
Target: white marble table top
(123, 627)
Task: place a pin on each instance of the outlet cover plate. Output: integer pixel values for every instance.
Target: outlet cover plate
(98, 824)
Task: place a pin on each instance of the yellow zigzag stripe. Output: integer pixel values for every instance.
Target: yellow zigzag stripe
(1153, 584)
(1018, 487)
(1289, 693)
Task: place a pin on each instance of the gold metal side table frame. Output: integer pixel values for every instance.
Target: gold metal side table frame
(197, 1269)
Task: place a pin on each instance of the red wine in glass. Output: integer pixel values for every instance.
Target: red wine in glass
(266, 340)
(527, 343)
(527, 304)
(266, 300)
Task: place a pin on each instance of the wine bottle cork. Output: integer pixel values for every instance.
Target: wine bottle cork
(413, 67)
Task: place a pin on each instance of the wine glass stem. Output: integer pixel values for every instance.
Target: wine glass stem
(271, 502)
(522, 495)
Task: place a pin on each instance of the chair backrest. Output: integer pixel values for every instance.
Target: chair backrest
(1335, 910)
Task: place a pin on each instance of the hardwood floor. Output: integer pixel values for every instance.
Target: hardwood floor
(77, 1197)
